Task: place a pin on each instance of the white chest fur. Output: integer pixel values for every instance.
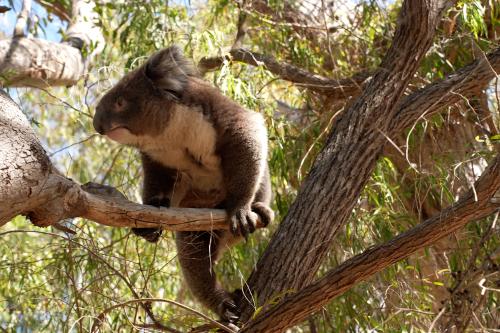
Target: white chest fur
(188, 144)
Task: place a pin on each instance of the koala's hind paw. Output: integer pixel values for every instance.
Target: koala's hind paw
(158, 201)
(150, 234)
(265, 213)
(228, 311)
(243, 222)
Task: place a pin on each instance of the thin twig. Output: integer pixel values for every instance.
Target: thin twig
(118, 273)
(100, 317)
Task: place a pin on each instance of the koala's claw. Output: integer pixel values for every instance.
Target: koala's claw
(150, 234)
(265, 213)
(243, 222)
(153, 234)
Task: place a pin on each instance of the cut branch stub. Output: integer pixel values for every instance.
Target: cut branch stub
(39, 63)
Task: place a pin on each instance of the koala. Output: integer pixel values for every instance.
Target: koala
(198, 149)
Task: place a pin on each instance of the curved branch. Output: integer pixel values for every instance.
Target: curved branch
(455, 87)
(336, 88)
(105, 205)
(293, 309)
(100, 317)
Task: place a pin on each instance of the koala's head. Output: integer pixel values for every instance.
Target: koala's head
(140, 103)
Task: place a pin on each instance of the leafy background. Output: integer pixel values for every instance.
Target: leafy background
(53, 282)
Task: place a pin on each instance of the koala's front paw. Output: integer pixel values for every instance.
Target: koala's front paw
(265, 213)
(242, 222)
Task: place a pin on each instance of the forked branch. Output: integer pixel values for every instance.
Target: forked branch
(477, 203)
(338, 88)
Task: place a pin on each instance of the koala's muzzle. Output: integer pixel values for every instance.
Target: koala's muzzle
(101, 122)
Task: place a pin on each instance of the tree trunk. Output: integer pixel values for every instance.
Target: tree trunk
(341, 170)
(24, 165)
(293, 309)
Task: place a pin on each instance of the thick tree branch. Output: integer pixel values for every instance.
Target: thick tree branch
(61, 198)
(473, 205)
(341, 170)
(461, 84)
(338, 89)
(109, 209)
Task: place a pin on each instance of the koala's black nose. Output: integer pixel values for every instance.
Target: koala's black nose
(97, 122)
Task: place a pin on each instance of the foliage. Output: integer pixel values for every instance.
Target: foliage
(53, 282)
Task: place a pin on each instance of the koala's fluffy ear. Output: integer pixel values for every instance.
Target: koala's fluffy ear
(169, 70)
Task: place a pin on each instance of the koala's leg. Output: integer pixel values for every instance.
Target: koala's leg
(159, 182)
(197, 252)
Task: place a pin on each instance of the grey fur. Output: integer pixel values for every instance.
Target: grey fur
(199, 149)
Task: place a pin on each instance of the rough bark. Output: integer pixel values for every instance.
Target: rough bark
(24, 164)
(461, 84)
(293, 309)
(341, 170)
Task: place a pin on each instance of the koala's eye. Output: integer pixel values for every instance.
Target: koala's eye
(120, 103)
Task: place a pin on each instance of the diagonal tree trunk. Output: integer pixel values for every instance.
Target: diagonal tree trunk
(474, 205)
(341, 170)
